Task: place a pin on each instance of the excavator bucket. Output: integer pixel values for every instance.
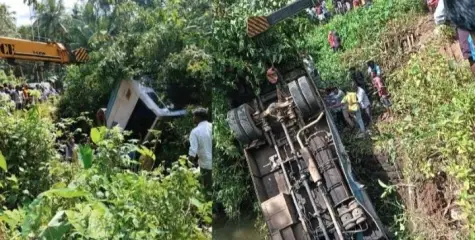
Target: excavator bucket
(81, 55)
(257, 25)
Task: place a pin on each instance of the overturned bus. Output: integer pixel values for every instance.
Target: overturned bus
(300, 170)
(135, 108)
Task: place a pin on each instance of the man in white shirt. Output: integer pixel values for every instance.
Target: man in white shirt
(308, 63)
(439, 14)
(364, 103)
(311, 13)
(201, 146)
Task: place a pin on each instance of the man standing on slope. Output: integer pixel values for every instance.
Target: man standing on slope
(462, 14)
(358, 78)
(365, 104)
(309, 65)
(334, 40)
(353, 107)
(201, 147)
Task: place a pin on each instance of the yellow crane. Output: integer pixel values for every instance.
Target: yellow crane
(259, 24)
(13, 49)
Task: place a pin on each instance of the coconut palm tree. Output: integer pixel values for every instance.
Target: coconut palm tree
(49, 20)
(7, 21)
(87, 22)
(33, 3)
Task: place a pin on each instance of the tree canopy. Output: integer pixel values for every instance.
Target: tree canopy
(7, 21)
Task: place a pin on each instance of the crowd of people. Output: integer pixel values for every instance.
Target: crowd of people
(23, 96)
(321, 12)
(352, 106)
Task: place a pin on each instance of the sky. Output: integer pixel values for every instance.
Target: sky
(22, 11)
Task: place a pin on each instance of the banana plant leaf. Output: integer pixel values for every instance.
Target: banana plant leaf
(85, 155)
(57, 227)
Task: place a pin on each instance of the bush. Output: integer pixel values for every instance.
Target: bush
(28, 145)
(105, 201)
(433, 130)
(359, 29)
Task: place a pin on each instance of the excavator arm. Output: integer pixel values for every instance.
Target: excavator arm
(18, 49)
(260, 24)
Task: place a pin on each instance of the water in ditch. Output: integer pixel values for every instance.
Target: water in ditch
(242, 229)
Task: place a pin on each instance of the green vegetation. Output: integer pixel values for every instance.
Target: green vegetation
(27, 145)
(193, 46)
(96, 201)
(157, 42)
(6, 21)
(429, 112)
(431, 134)
(362, 32)
(97, 195)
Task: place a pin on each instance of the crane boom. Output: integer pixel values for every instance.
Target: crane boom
(260, 24)
(19, 49)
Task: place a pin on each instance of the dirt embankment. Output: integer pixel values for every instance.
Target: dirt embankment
(430, 204)
(431, 200)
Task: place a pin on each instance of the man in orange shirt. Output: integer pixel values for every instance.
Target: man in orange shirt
(26, 94)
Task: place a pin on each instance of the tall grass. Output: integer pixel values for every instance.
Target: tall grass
(359, 29)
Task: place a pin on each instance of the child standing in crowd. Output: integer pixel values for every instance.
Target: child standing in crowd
(26, 95)
(383, 93)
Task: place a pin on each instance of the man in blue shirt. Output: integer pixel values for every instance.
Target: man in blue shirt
(472, 47)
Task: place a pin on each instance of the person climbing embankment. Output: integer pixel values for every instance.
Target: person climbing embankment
(383, 93)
